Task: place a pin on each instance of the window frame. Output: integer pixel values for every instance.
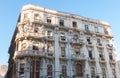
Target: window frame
(86, 27)
(49, 70)
(96, 29)
(64, 70)
(61, 22)
(22, 69)
(74, 24)
(79, 70)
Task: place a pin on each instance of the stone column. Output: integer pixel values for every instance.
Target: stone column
(27, 68)
(57, 55)
(106, 54)
(96, 56)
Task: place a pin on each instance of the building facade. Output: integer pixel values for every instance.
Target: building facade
(3, 70)
(118, 63)
(52, 44)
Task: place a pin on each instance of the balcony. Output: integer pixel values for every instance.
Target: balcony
(99, 45)
(92, 60)
(77, 42)
(48, 77)
(28, 53)
(102, 60)
(63, 57)
(112, 66)
(112, 61)
(81, 57)
(38, 21)
(49, 55)
(63, 39)
(78, 77)
(110, 46)
(110, 51)
(75, 29)
(50, 25)
(29, 35)
(64, 28)
(89, 32)
(49, 38)
(89, 44)
(77, 50)
(108, 35)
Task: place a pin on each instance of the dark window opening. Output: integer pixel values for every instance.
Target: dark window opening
(88, 40)
(110, 56)
(90, 54)
(49, 70)
(74, 24)
(22, 69)
(36, 29)
(61, 22)
(48, 20)
(35, 47)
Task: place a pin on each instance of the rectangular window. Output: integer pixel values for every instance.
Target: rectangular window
(36, 28)
(35, 69)
(88, 40)
(90, 54)
(77, 50)
(92, 72)
(49, 48)
(96, 29)
(36, 17)
(111, 57)
(79, 71)
(35, 47)
(49, 33)
(48, 20)
(61, 22)
(62, 35)
(103, 72)
(105, 31)
(64, 70)
(63, 51)
(23, 47)
(49, 70)
(25, 16)
(74, 24)
(98, 40)
(86, 27)
(22, 65)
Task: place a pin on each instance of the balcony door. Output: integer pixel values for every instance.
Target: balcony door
(79, 69)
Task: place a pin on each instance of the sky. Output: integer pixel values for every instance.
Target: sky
(105, 10)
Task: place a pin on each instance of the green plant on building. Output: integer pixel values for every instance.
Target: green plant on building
(62, 76)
